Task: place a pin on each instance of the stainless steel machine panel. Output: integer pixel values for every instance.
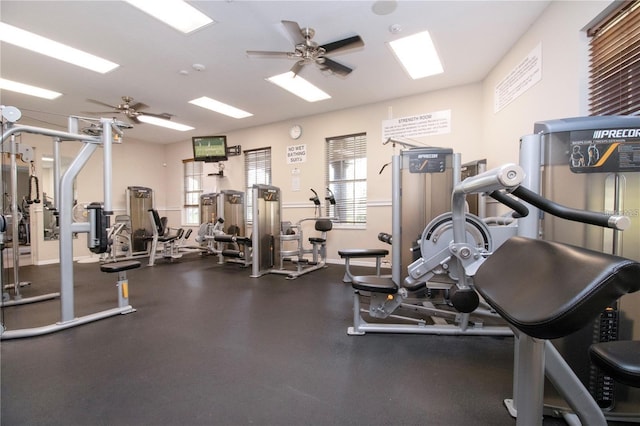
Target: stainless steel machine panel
(593, 163)
(426, 187)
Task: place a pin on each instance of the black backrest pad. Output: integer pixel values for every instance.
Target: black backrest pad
(549, 290)
(324, 225)
(156, 221)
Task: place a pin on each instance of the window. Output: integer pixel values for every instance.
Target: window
(257, 169)
(192, 191)
(346, 177)
(614, 80)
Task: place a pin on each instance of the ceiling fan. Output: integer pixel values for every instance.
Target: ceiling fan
(307, 51)
(131, 110)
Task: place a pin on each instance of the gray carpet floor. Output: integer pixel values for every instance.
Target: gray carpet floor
(208, 345)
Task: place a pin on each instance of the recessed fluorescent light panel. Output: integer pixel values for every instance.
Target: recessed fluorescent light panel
(299, 86)
(417, 55)
(26, 89)
(27, 40)
(175, 13)
(222, 108)
(163, 123)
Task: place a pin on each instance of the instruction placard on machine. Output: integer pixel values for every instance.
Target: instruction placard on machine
(269, 194)
(431, 161)
(605, 151)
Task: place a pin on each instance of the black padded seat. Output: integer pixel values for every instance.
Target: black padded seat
(124, 265)
(362, 252)
(232, 239)
(164, 238)
(322, 225)
(374, 284)
(549, 290)
(619, 360)
(160, 224)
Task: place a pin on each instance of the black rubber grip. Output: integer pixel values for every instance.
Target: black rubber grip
(592, 218)
(520, 209)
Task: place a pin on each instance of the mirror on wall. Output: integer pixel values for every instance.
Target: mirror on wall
(50, 220)
(22, 192)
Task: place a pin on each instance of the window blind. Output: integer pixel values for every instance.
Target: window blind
(192, 190)
(257, 169)
(346, 177)
(614, 80)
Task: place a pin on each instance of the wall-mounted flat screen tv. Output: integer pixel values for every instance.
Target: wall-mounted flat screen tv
(209, 148)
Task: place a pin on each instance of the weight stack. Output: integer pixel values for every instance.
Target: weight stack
(601, 386)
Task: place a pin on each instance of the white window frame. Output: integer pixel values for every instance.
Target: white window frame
(257, 170)
(346, 177)
(193, 172)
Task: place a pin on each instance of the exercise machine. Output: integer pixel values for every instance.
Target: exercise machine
(294, 233)
(270, 236)
(576, 284)
(105, 132)
(267, 227)
(139, 201)
(142, 232)
(610, 185)
(164, 237)
(417, 297)
(225, 229)
(572, 284)
(11, 294)
(132, 232)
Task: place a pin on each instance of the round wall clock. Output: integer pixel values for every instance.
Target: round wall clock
(295, 131)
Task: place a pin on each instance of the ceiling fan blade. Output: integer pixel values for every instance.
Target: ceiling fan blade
(164, 115)
(294, 31)
(267, 53)
(344, 44)
(334, 67)
(101, 112)
(93, 101)
(297, 67)
(138, 106)
(133, 119)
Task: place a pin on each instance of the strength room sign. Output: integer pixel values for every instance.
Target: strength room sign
(429, 124)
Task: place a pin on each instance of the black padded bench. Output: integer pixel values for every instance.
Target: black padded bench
(121, 266)
(123, 284)
(348, 254)
(549, 290)
(384, 285)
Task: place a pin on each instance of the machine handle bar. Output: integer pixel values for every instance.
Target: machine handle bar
(505, 176)
(508, 176)
(385, 237)
(520, 210)
(593, 218)
(315, 198)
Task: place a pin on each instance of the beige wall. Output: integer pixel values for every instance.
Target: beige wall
(560, 93)
(476, 132)
(464, 101)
